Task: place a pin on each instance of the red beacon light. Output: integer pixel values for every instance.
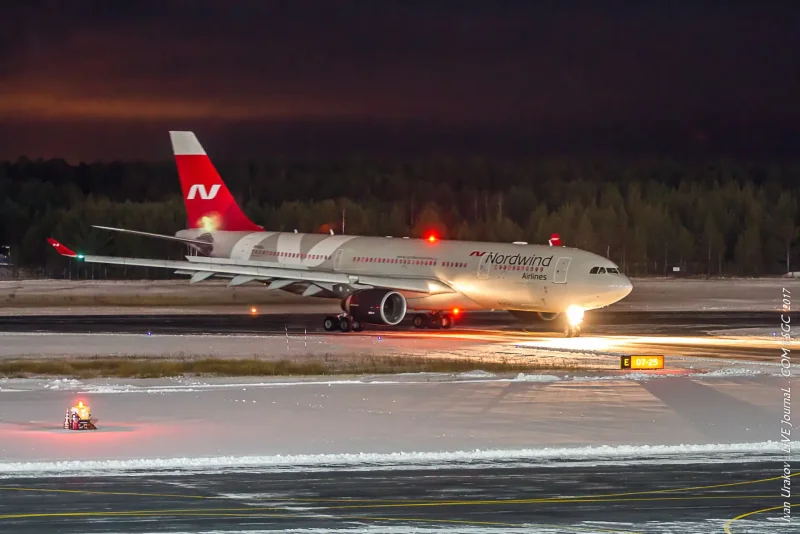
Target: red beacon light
(432, 238)
(79, 417)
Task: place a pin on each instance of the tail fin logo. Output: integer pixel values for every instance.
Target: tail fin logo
(201, 190)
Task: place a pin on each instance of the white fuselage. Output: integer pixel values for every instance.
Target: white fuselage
(484, 275)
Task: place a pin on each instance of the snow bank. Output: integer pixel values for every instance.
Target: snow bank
(729, 372)
(401, 460)
(63, 383)
(477, 374)
(522, 377)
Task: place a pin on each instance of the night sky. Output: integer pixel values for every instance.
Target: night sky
(104, 80)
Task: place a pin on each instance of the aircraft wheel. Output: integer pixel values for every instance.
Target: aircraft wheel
(447, 321)
(576, 332)
(357, 326)
(345, 324)
(329, 324)
(434, 320)
(419, 321)
(568, 331)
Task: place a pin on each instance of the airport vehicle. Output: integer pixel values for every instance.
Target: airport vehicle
(378, 280)
(79, 417)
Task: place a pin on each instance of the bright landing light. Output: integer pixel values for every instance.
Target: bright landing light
(574, 315)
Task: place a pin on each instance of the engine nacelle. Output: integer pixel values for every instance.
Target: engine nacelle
(376, 306)
(547, 316)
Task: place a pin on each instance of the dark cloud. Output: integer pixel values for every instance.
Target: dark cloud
(522, 70)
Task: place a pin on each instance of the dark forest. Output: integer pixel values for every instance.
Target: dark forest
(649, 216)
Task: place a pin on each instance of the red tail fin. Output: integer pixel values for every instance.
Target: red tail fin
(209, 204)
(555, 240)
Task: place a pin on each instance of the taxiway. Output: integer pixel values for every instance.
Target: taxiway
(642, 497)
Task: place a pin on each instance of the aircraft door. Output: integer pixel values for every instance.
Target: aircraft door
(337, 260)
(560, 274)
(483, 267)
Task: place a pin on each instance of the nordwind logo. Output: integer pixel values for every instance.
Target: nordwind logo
(201, 190)
(514, 259)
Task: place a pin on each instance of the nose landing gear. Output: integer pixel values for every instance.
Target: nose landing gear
(572, 330)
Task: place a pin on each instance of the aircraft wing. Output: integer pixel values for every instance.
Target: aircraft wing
(242, 274)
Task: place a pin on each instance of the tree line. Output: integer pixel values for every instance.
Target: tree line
(648, 216)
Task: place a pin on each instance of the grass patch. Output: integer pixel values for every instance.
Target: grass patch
(140, 367)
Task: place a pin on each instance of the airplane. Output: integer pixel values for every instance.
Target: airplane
(378, 280)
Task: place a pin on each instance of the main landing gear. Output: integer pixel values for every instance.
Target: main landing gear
(347, 323)
(342, 322)
(432, 320)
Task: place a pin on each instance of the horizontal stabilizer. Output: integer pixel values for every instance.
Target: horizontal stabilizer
(157, 236)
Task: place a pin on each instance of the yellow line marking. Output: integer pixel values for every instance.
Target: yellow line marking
(180, 511)
(259, 512)
(728, 524)
(491, 523)
(546, 501)
(345, 499)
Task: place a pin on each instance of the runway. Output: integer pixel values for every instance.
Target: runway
(645, 497)
(601, 323)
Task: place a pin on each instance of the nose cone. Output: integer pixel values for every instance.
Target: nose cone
(619, 288)
(627, 287)
(623, 287)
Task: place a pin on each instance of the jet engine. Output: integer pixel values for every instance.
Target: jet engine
(545, 316)
(376, 306)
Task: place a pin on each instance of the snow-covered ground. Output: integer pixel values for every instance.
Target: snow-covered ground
(586, 352)
(402, 420)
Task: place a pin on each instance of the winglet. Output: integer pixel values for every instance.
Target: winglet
(61, 249)
(555, 240)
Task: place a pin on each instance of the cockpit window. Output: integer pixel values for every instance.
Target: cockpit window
(604, 270)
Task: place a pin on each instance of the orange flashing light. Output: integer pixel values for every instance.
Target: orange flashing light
(253, 310)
